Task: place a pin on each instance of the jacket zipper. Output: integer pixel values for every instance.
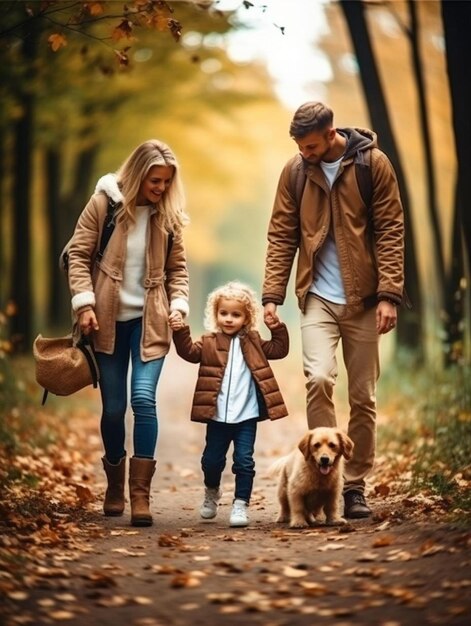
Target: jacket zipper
(229, 381)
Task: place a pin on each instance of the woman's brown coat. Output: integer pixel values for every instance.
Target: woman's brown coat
(98, 284)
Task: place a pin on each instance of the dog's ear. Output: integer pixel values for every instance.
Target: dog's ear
(305, 445)
(346, 444)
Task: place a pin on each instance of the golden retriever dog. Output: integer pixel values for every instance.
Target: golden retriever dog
(310, 478)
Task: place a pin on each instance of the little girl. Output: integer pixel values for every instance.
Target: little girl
(235, 389)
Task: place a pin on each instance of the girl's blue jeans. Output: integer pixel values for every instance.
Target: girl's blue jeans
(218, 439)
(113, 387)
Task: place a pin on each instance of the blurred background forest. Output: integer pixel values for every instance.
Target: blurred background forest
(84, 82)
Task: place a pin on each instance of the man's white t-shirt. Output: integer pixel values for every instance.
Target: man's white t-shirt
(327, 281)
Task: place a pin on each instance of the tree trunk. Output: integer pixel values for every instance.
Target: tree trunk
(21, 293)
(456, 20)
(427, 147)
(59, 305)
(409, 329)
(62, 217)
(3, 175)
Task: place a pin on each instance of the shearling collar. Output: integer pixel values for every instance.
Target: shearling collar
(108, 184)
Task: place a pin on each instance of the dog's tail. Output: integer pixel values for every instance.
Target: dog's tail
(276, 467)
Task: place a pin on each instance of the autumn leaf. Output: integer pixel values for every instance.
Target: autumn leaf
(61, 615)
(123, 31)
(385, 540)
(169, 541)
(95, 8)
(99, 580)
(84, 494)
(160, 23)
(314, 589)
(127, 552)
(122, 57)
(175, 28)
(185, 580)
(56, 41)
(294, 572)
(382, 490)
(221, 598)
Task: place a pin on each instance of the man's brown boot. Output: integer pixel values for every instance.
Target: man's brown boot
(140, 477)
(114, 496)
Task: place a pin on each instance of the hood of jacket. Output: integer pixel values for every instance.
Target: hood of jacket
(108, 184)
(358, 139)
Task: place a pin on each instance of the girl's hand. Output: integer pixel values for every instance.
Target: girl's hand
(175, 320)
(272, 323)
(270, 316)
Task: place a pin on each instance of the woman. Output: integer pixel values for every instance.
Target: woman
(126, 300)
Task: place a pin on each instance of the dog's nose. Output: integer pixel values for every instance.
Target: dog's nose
(325, 460)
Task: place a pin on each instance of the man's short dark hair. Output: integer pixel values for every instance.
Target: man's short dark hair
(310, 117)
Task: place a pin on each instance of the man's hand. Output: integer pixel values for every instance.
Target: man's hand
(386, 317)
(270, 316)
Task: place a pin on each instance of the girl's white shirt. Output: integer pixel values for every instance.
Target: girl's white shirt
(132, 292)
(237, 399)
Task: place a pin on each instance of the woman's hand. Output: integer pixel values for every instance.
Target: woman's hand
(87, 321)
(175, 320)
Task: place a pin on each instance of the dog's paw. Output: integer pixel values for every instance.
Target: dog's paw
(282, 519)
(299, 524)
(338, 521)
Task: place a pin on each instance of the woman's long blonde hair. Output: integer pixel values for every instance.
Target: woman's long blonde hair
(234, 290)
(133, 171)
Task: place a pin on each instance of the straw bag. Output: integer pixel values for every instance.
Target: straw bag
(64, 365)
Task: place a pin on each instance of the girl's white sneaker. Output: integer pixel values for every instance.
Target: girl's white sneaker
(209, 508)
(239, 515)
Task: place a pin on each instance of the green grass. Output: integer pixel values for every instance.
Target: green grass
(432, 426)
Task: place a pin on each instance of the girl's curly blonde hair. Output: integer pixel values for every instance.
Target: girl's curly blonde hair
(233, 290)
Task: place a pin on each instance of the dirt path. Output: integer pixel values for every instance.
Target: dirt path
(395, 569)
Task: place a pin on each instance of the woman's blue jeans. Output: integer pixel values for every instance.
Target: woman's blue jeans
(218, 439)
(114, 395)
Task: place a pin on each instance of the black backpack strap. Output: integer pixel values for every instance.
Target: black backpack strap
(108, 228)
(364, 177)
(85, 346)
(363, 174)
(297, 180)
(169, 246)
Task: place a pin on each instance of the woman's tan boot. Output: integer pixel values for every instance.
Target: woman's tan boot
(140, 477)
(114, 496)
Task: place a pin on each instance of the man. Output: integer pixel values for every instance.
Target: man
(349, 277)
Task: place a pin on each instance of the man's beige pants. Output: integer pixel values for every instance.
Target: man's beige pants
(322, 326)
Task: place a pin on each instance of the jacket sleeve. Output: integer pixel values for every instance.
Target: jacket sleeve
(185, 347)
(82, 251)
(177, 275)
(278, 346)
(388, 227)
(283, 240)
